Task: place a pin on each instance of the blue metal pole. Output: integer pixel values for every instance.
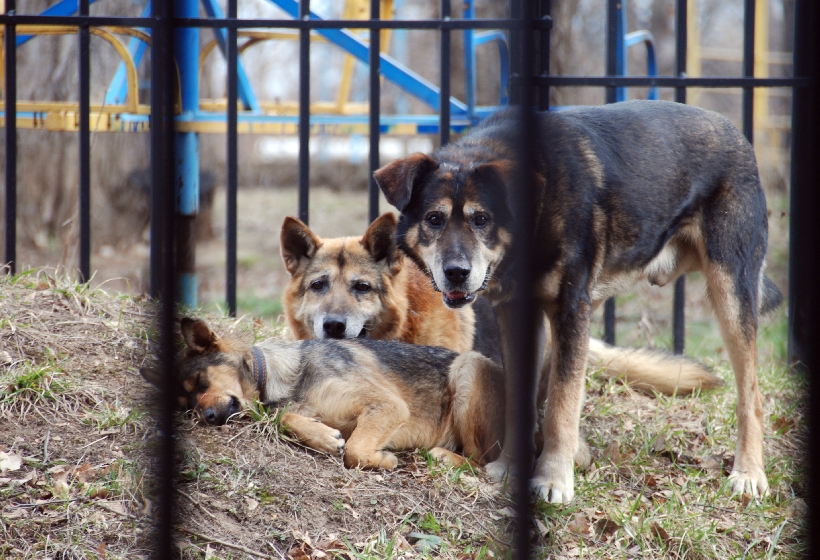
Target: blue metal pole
(186, 172)
(469, 60)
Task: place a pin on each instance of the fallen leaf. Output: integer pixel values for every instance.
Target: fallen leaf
(798, 508)
(14, 513)
(580, 525)
(660, 444)
(605, 527)
(712, 462)
(542, 529)
(84, 473)
(745, 500)
(101, 493)
(5, 358)
(783, 425)
(10, 461)
(612, 452)
(351, 510)
(659, 532)
(506, 512)
(60, 489)
(101, 550)
(251, 504)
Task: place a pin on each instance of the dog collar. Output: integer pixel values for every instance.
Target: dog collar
(261, 370)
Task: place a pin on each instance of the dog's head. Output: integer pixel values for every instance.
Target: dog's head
(341, 287)
(214, 376)
(455, 219)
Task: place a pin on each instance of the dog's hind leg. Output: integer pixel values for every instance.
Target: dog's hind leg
(735, 308)
(477, 384)
(366, 446)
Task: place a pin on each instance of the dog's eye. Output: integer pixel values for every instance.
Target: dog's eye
(361, 287)
(481, 219)
(317, 285)
(435, 219)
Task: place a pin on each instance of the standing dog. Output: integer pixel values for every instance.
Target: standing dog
(355, 287)
(359, 397)
(630, 191)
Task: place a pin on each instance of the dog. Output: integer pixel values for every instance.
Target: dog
(354, 287)
(641, 190)
(359, 398)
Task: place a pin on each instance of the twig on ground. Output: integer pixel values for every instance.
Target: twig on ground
(45, 447)
(224, 543)
(198, 504)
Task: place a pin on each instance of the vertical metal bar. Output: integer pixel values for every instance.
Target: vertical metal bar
(10, 214)
(526, 314)
(612, 26)
(163, 218)
(84, 197)
(804, 238)
(232, 171)
(748, 67)
(469, 61)
(444, 73)
(515, 62)
(545, 9)
(186, 52)
(620, 49)
(374, 60)
(304, 111)
(679, 305)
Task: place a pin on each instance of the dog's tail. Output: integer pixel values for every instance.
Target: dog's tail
(771, 297)
(651, 370)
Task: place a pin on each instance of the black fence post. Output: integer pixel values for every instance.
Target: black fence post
(612, 7)
(304, 111)
(10, 214)
(681, 46)
(232, 171)
(374, 59)
(804, 239)
(163, 224)
(748, 67)
(444, 73)
(84, 197)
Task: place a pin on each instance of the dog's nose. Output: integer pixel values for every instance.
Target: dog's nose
(334, 328)
(457, 272)
(210, 415)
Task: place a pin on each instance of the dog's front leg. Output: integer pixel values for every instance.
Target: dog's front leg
(313, 433)
(498, 469)
(553, 477)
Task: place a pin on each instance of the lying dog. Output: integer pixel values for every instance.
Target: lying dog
(364, 397)
(351, 287)
(359, 397)
(626, 192)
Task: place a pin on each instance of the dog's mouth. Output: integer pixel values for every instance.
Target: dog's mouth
(457, 299)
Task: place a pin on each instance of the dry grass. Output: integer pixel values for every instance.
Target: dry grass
(74, 410)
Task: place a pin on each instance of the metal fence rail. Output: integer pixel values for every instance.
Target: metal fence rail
(529, 29)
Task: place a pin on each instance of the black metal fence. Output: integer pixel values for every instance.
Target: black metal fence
(529, 28)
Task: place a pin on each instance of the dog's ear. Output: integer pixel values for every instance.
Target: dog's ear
(297, 242)
(198, 335)
(502, 170)
(398, 179)
(152, 375)
(380, 238)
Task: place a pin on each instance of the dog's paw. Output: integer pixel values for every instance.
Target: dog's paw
(749, 481)
(554, 479)
(386, 460)
(447, 457)
(498, 470)
(326, 439)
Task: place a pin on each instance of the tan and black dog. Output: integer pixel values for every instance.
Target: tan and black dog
(360, 397)
(353, 287)
(626, 192)
(366, 397)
